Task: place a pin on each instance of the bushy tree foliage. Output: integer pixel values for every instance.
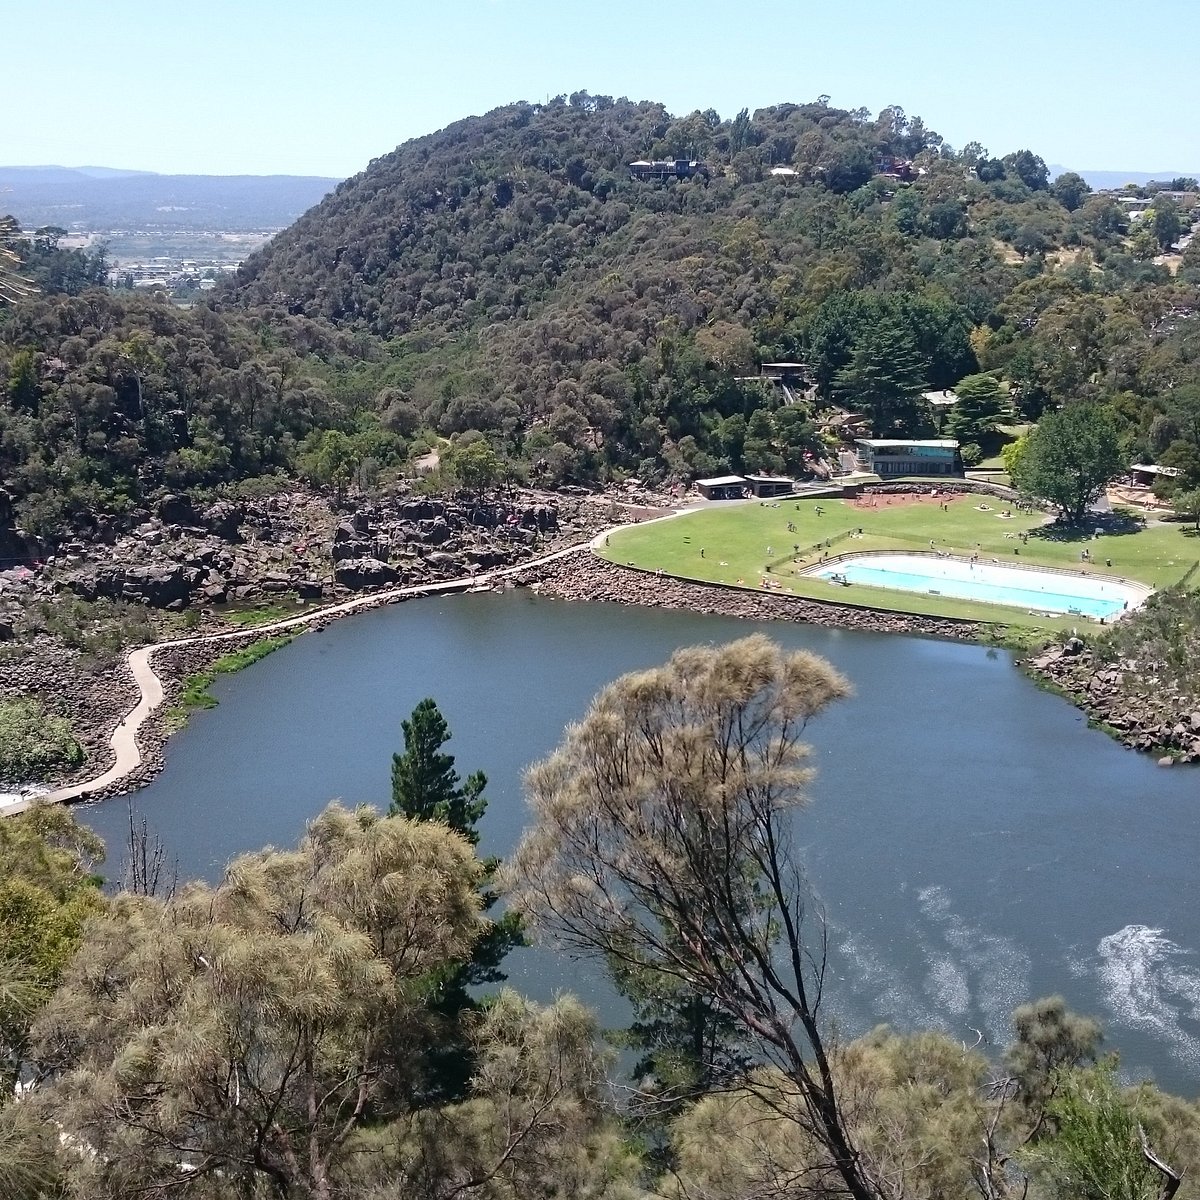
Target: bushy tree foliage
(1069, 458)
(106, 398)
(242, 1034)
(981, 402)
(506, 277)
(660, 839)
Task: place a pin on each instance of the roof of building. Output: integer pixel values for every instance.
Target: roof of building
(769, 479)
(1155, 469)
(721, 481)
(946, 397)
(896, 443)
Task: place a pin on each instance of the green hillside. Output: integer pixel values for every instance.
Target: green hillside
(507, 281)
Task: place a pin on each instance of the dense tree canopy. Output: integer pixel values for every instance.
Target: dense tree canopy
(1069, 458)
(505, 284)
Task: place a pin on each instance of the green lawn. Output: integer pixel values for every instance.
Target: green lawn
(745, 543)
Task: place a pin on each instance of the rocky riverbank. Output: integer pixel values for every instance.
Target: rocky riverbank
(67, 623)
(1159, 720)
(587, 577)
(1164, 723)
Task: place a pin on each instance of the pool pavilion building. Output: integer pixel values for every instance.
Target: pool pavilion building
(889, 457)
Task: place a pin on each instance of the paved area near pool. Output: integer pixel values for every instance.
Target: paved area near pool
(1040, 589)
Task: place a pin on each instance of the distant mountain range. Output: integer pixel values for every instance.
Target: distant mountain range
(91, 198)
(107, 198)
(1116, 179)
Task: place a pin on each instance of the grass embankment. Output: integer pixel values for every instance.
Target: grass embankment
(259, 614)
(195, 694)
(746, 543)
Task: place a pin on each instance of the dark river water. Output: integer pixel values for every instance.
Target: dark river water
(972, 842)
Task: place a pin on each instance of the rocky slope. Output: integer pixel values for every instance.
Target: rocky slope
(1161, 720)
(66, 626)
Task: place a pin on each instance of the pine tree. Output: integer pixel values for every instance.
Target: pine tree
(426, 787)
(885, 376)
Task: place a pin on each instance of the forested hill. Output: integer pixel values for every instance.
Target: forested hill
(522, 275)
(508, 281)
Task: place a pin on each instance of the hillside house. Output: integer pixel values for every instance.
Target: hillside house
(660, 169)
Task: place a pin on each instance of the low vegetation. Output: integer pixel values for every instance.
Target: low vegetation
(34, 742)
(195, 694)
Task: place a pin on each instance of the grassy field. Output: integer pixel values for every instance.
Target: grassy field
(745, 544)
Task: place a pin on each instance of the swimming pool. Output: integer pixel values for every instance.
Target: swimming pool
(1018, 587)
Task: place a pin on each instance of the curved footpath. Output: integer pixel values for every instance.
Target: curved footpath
(124, 741)
(593, 583)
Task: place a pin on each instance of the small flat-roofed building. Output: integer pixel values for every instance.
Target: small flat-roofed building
(903, 456)
(1145, 474)
(723, 487)
(946, 399)
(766, 486)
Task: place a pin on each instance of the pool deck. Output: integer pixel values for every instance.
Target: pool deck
(1138, 592)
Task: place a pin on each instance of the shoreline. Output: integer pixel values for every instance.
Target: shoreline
(601, 580)
(135, 737)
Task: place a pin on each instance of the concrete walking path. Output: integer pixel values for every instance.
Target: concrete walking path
(127, 753)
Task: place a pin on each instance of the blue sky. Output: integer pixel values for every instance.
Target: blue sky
(316, 87)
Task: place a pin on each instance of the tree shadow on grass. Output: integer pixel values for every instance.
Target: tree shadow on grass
(1109, 524)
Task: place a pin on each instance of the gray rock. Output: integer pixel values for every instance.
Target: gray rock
(351, 550)
(224, 519)
(436, 532)
(360, 573)
(176, 510)
(156, 584)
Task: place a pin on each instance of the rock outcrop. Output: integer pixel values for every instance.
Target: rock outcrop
(1139, 713)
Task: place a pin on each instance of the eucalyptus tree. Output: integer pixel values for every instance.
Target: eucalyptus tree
(233, 1039)
(661, 839)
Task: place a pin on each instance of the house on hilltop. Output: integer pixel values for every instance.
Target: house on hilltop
(677, 168)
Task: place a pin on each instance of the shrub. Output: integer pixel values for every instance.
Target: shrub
(33, 742)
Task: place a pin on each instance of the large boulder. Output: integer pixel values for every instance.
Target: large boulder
(484, 556)
(435, 532)
(155, 584)
(224, 519)
(449, 564)
(341, 551)
(358, 573)
(176, 510)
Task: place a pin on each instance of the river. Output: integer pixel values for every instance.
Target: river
(972, 842)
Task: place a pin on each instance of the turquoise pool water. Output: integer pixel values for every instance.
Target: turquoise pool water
(1017, 587)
